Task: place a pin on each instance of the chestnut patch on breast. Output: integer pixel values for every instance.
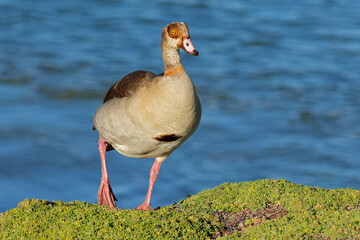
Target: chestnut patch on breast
(167, 137)
(173, 70)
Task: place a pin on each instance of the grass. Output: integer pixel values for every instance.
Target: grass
(263, 209)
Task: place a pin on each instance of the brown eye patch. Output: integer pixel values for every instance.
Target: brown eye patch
(174, 31)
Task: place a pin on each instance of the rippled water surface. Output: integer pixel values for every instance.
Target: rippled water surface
(278, 81)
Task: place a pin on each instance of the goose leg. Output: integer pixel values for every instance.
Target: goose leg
(105, 194)
(154, 172)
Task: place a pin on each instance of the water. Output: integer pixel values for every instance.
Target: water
(278, 81)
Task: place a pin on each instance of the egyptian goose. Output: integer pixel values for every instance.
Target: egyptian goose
(145, 115)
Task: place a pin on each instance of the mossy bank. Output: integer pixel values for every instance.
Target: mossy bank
(263, 209)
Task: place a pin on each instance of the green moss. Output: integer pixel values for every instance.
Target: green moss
(312, 213)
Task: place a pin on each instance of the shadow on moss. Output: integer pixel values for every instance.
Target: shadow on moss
(240, 221)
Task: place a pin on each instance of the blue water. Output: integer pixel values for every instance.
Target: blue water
(278, 81)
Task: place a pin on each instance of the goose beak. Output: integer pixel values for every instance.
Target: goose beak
(188, 46)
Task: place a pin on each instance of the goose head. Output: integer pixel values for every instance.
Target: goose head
(175, 36)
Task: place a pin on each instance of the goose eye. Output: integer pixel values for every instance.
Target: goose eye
(173, 31)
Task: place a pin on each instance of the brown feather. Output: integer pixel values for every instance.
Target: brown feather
(167, 137)
(126, 87)
(129, 84)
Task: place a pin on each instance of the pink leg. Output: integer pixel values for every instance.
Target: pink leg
(105, 195)
(154, 172)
